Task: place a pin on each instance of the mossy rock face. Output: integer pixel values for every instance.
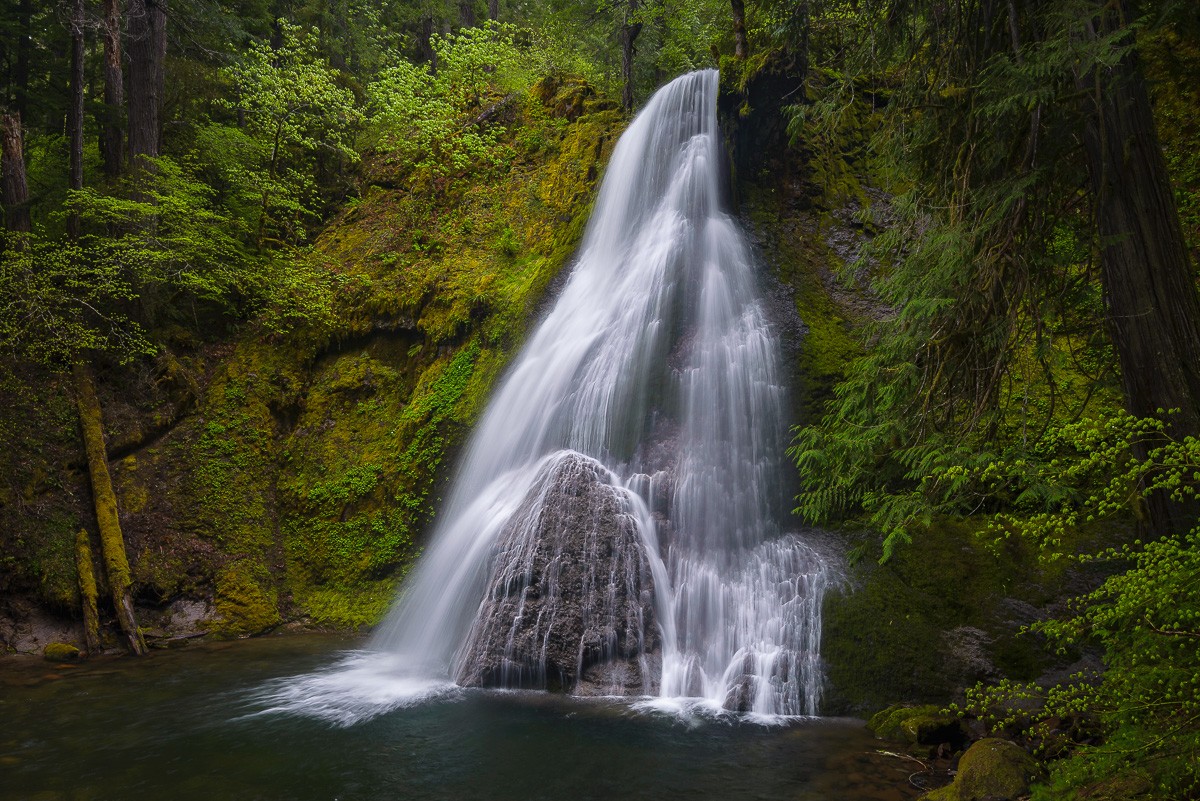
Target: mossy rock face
(292, 477)
(246, 603)
(61, 652)
(941, 615)
(991, 769)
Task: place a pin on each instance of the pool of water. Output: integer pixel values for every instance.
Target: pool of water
(193, 724)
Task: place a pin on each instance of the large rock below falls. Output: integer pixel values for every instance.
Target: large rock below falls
(569, 604)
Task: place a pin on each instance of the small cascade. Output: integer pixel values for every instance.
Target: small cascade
(615, 524)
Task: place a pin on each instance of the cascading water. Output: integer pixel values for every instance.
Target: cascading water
(614, 526)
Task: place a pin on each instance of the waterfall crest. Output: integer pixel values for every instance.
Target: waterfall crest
(614, 527)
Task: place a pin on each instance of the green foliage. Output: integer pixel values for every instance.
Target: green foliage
(168, 236)
(296, 110)
(987, 265)
(1142, 714)
(432, 122)
(59, 299)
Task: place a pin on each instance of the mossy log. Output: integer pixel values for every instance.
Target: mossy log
(87, 591)
(112, 541)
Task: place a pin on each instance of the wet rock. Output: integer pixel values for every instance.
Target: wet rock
(26, 629)
(569, 605)
(991, 769)
(968, 654)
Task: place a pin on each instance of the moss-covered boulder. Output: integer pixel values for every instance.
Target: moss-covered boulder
(61, 652)
(991, 769)
(918, 725)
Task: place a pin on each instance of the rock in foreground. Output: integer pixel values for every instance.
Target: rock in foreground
(570, 600)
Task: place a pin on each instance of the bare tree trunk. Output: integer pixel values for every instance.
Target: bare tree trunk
(466, 13)
(12, 170)
(629, 34)
(741, 46)
(424, 40)
(75, 114)
(112, 541)
(112, 138)
(494, 9)
(20, 73)
(87, 591)
(1149, 287)
(147, 57)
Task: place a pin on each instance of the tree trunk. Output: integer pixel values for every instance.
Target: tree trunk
(112, 136)
(20, 74)
(112, 541)
(1150, 291)
(15, 188)
(147, 56)
(629, 34)
(741, 46)
(466, 13)
(87, 592)
(75, 115)
(424, 40)
(494, 9)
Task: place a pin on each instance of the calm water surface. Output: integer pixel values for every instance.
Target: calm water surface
(186, 725)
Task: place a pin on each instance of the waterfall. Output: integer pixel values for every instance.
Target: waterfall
(614, 527)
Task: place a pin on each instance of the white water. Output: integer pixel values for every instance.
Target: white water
(657, 361)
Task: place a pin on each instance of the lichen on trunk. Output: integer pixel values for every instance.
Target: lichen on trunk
(87, 591)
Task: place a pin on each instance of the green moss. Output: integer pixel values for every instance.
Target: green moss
(884, 632)
(460, 271)
(1132, 785)
(795, 247)
(41, 506)
(990, 768)
(302, 482)
(48, 558)
(889, 723)
(61, 652)
(245, 601)
(352, 607)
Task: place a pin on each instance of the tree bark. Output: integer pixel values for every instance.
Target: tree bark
(1149, 287)
(147, 57)
(629, 34)
(20, 74)
(466, 13)
(741, 46)
(112, 137)
(424, 41)
(15, 188)
(494, 10)
(87, 592)
(75, 114)
(112, 541)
